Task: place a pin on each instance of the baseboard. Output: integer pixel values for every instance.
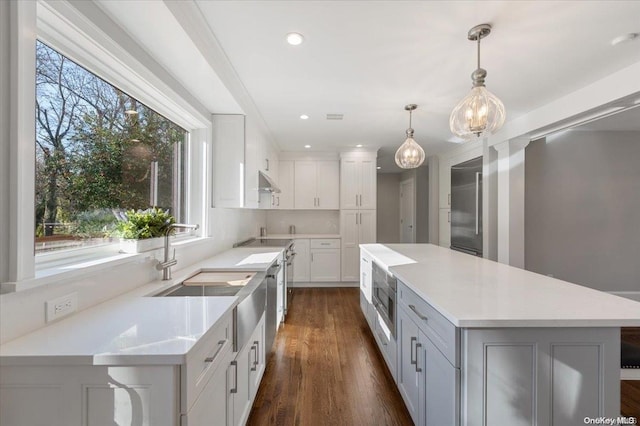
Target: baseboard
(327, 284)
(633, 295)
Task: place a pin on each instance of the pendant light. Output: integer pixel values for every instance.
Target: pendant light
(410, 155)
(480, 112)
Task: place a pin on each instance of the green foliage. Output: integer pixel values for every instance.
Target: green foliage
(142, 224)
(94, 224)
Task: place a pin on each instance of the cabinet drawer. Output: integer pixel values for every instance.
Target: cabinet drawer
(444, 335)
(205, 358)
(387, 344)
(328, 243)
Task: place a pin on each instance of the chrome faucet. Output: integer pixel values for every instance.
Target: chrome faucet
(165, 266)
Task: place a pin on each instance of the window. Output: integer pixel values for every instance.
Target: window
(98, 152)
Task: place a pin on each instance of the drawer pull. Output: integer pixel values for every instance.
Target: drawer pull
(220, 346)
(418, 369)
(413, 361)
(235, 381)
(422, 317)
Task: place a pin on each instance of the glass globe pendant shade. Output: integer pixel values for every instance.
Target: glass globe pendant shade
(479, 113)
(410, 155)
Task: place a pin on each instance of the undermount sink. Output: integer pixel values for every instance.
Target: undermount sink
(210, 284)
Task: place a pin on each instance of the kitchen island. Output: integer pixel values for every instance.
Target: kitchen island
(139, 359)
(482, 343)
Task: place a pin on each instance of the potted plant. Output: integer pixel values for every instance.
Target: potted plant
(142, 230)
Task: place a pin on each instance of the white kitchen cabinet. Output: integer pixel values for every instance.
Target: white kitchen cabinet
(259, 362)
(325, 265)
(270, 164)
(317, 184)
(284, 199)
(215, 401)
(229, 161)
(366, 271)
(356, 227)
(301, 260)
(358, 183)
(445, 228)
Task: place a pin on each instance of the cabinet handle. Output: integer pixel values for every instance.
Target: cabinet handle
(255, 360)
(360, 200)
(418, 369)
(360, 218)
(235, 375)
(312, 257)
(413, 339)
(267, 160)
(318, 201)
(449, 217)
(422, 317)
(220, 346)
(448, 199)
(356, 218)
(278, 202)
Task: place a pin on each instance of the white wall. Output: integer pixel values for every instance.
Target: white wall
(305, 221)
(5, 22)
(388, 208)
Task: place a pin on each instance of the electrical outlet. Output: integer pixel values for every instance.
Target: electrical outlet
(61, 307)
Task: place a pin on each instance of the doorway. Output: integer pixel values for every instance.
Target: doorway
(407, 211)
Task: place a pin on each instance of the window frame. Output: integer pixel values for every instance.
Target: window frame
(81, 36)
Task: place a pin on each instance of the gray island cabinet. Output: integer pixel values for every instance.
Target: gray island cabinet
(481, 343)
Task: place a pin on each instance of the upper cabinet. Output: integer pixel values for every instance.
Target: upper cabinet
(260, 156)
(229, 161)
(317, 184)
(284, 199)
(358, 183)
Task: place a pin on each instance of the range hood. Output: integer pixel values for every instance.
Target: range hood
(266, 184)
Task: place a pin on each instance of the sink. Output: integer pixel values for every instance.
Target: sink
(210, 284)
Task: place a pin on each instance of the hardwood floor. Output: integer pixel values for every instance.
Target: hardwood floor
(326, 369)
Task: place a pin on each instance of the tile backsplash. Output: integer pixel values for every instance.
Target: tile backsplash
(305, 221)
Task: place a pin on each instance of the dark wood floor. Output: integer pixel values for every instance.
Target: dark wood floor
(326, 369)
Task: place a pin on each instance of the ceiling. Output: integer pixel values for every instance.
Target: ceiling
(367, 59)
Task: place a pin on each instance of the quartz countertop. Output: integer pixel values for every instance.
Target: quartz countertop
(134, 328)
(474, 292)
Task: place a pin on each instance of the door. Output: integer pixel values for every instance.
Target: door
(325, 265)
(407, 212)
(442, 388)
(215, 400)
(284, 200)
(349, 184)
(228, 140)
(328, 185)
(366, 226)
(410, 373)
(305, 185)
(367, 179)
(301, 261)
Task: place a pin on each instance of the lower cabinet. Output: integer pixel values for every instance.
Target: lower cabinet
(317, 260)
(325, 265)
(411, 377)
(215, 401)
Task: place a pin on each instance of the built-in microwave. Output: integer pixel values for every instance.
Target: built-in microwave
(384, 296)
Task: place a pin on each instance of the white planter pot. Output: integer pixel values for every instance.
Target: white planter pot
(140, 246)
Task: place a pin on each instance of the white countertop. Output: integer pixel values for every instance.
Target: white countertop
(298, 236)
(474, 292)
(134, 329)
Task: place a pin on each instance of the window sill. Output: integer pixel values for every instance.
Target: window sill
(88, 266)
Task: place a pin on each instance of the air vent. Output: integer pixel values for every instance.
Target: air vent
(335, 116)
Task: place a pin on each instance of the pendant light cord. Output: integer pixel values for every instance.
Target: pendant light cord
(410, 115)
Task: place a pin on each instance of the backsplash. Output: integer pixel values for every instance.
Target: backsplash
(305, 221)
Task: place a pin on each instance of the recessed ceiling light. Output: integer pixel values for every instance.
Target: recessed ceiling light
(378, 167)
(131, 112)
(359, 145)
(307, 146)
(624, 38)
(295, 39)
(304, 117)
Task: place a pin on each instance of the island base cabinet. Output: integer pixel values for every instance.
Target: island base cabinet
(442, 388)
(215, 401)
(89, 395)
(410, 374)
(545, 376)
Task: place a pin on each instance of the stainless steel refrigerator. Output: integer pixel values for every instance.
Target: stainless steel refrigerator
(466, 207)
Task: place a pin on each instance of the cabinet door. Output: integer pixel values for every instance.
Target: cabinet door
(241, 397)
(228, 142)
(410, 373)
(349, 227)
(325, 265)
(365, 275)
(214, 402)
(349, 184)
(368, 184)
(328, 185)
(441, 388)
(301, 261)
(366, 226)
(284, 200)
(445, 228)
(258, 365)
(305, 186)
